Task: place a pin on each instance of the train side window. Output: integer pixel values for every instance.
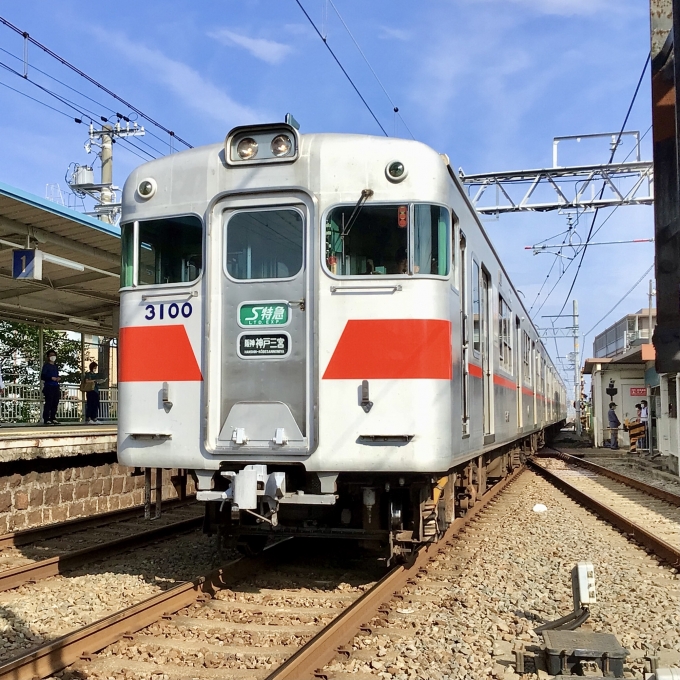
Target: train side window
(170, 250)
(127, 247)
(504, 334)
(264, 244)
(476, 308)
(526, 357)
(431, 240)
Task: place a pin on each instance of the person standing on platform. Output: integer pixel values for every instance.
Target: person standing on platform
(92, 396)
(614, 423)
(50, 377)
(644, 419)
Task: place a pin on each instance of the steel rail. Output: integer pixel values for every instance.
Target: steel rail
(80, 644)
(667, 496)
(72, 525)
(658, 546)
(42, 569)
(323, 647)
(84, 642)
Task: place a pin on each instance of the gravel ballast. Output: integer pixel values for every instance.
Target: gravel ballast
(506, 574)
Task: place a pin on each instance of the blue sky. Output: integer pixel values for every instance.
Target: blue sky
(489, 82)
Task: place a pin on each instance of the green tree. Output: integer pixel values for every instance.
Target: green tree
(19, 353)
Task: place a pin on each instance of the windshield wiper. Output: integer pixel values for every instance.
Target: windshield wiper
(365, 195)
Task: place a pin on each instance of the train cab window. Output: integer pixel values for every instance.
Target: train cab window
(170, 250)
(265, 244)
(369, 240)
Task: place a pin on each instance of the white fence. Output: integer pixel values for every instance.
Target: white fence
(24, 403)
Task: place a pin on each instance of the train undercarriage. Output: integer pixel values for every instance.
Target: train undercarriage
(389, 513)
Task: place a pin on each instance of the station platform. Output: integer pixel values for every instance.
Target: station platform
(27, 442)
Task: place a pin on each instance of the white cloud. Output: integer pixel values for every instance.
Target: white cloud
(267, 50)
(564, 7)
(388, 33)
(185, 82)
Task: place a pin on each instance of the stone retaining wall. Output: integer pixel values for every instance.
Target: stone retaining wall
(37, 492)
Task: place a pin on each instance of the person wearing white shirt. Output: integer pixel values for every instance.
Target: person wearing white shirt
(644, 418)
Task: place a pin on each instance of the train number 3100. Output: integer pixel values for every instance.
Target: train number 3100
(173, 310)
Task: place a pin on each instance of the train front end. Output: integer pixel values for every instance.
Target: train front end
(286, 332)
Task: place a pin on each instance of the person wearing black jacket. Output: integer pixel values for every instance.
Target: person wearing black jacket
(50, 377)
(614, 423)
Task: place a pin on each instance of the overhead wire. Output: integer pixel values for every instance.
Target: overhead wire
(342, 68)
(611, 158)
(82, 111)
(594, 233)
(93, 81)
(635, 285)
(38, 101)
(82, 94)
(375, 75)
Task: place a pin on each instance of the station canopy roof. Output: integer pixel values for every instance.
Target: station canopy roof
(80, 270)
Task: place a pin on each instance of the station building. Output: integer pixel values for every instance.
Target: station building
(622, 370)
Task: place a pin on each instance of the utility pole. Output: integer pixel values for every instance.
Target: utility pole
(106, 157)
(82, 176)
(577, 371)
(650, 326)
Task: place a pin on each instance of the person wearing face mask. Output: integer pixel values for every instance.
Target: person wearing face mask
(94, 379)
(50, 377)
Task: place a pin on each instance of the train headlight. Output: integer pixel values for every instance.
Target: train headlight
(247, 148)
(262, 144)
(281, 145)
(147, 188)
(395, 171)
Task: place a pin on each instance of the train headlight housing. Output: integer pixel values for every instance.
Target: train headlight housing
(147, 188)
(281, 145)
(247, 148)
(261, 144)
(395, 171)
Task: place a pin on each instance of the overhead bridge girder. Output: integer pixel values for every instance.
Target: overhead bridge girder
(562, 188)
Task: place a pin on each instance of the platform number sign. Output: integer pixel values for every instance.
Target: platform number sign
(27, 264)
(263, 314)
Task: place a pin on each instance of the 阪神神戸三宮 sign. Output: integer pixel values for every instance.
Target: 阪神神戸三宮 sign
(259, 345)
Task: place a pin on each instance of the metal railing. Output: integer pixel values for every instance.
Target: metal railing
(24, 403)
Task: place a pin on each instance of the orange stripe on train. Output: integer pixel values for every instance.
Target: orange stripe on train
(392, 349)
(151, 353)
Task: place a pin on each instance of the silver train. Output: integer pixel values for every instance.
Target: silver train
(318, 328)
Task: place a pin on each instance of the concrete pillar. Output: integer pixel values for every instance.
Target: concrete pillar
(41, 359)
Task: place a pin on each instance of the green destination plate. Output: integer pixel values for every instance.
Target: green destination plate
(263, 314)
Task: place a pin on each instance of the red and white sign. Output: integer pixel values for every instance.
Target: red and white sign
(638, 391)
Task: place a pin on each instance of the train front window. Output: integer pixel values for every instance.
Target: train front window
(170, 250)
(265, 244)
(368, 240)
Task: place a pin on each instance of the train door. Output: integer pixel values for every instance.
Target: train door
(519, 366)
(487, 363)
(465, 341)
(534, 379)
(263, 372)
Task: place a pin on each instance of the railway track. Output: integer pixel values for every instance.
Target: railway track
(37, 554)
(253, 618)
(646, 513)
